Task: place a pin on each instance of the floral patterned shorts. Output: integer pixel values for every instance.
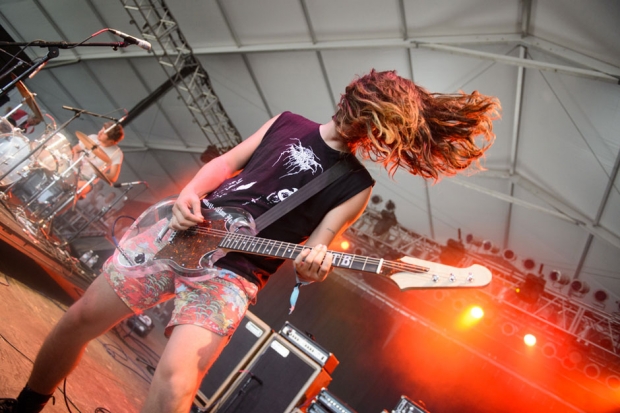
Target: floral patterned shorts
(217, 304)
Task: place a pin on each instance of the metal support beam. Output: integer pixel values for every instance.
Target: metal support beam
(155, 22)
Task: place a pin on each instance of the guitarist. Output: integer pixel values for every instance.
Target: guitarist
(381, 117)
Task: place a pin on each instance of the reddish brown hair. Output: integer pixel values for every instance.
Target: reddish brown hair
(391, 120)
(117, 133)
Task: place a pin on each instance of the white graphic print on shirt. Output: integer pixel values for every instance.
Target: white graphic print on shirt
(299, 159)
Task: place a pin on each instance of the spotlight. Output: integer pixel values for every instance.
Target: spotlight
(600, 296)
(579, 287)
(477, 312)
(529, 340)
(529, 264)
(557, 277)
(489, 247)
(509, 255)
(376, 199)
(470, 239)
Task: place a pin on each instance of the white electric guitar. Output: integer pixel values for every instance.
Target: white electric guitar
(148, 246)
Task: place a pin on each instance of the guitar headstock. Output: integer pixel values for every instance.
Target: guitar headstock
(440, 275)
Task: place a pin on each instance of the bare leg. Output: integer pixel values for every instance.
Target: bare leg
(188, 355)
(92, 315)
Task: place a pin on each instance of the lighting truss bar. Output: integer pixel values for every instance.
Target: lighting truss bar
(175, 56)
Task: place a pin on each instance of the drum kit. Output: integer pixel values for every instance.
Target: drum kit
(39, 179)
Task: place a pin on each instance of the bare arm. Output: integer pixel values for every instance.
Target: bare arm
(315, 264)
(113, 172)
(186, 210)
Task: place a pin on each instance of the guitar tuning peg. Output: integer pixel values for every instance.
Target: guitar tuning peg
(470, 277)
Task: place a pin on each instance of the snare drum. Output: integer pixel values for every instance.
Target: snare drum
(55, 155)
(13, 148)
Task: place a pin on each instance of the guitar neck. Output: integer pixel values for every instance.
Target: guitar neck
(280, 249)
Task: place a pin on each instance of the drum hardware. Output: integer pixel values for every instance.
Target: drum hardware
(39, 190)
(98, 216)
(12, 146)
(55, 155)
(58, 177)
(43, 221)
(37, 148)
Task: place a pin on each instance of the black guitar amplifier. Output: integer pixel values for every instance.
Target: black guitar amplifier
(315, 407)
(332, 403)
(405, 405)
(304, 343)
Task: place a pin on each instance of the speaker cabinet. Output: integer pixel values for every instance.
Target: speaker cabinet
(279, 378)
(249, 337)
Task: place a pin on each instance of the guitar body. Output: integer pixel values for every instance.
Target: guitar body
(148, 247)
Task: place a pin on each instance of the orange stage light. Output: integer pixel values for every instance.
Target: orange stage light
(470, 317)
(476, 312)
(344, 245)
(529, 340)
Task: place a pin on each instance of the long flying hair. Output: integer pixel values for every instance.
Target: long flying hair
(389, 119)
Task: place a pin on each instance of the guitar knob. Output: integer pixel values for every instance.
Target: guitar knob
(139, 258)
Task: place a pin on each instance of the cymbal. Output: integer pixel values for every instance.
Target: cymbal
(99, 173)
(32, 104)
(93, 147)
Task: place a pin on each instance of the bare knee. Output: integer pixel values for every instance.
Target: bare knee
(172, 389)
(93, 314)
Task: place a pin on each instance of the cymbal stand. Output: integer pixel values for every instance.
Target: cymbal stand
(98, 216)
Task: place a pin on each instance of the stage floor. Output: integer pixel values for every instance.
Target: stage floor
(115, 372)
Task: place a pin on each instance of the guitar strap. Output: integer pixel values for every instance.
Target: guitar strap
(306, 191)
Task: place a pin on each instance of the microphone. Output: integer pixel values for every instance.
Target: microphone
(73, 109)
(119, 184)
(132, 40)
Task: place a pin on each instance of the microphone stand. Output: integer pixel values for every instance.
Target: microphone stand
(52, 53)
(78, 110)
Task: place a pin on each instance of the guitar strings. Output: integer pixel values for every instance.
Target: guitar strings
(415, 270)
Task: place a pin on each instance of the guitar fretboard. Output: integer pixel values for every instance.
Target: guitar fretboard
(271, 248)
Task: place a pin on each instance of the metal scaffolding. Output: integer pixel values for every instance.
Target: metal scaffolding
(156, 24)
(580, 336)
